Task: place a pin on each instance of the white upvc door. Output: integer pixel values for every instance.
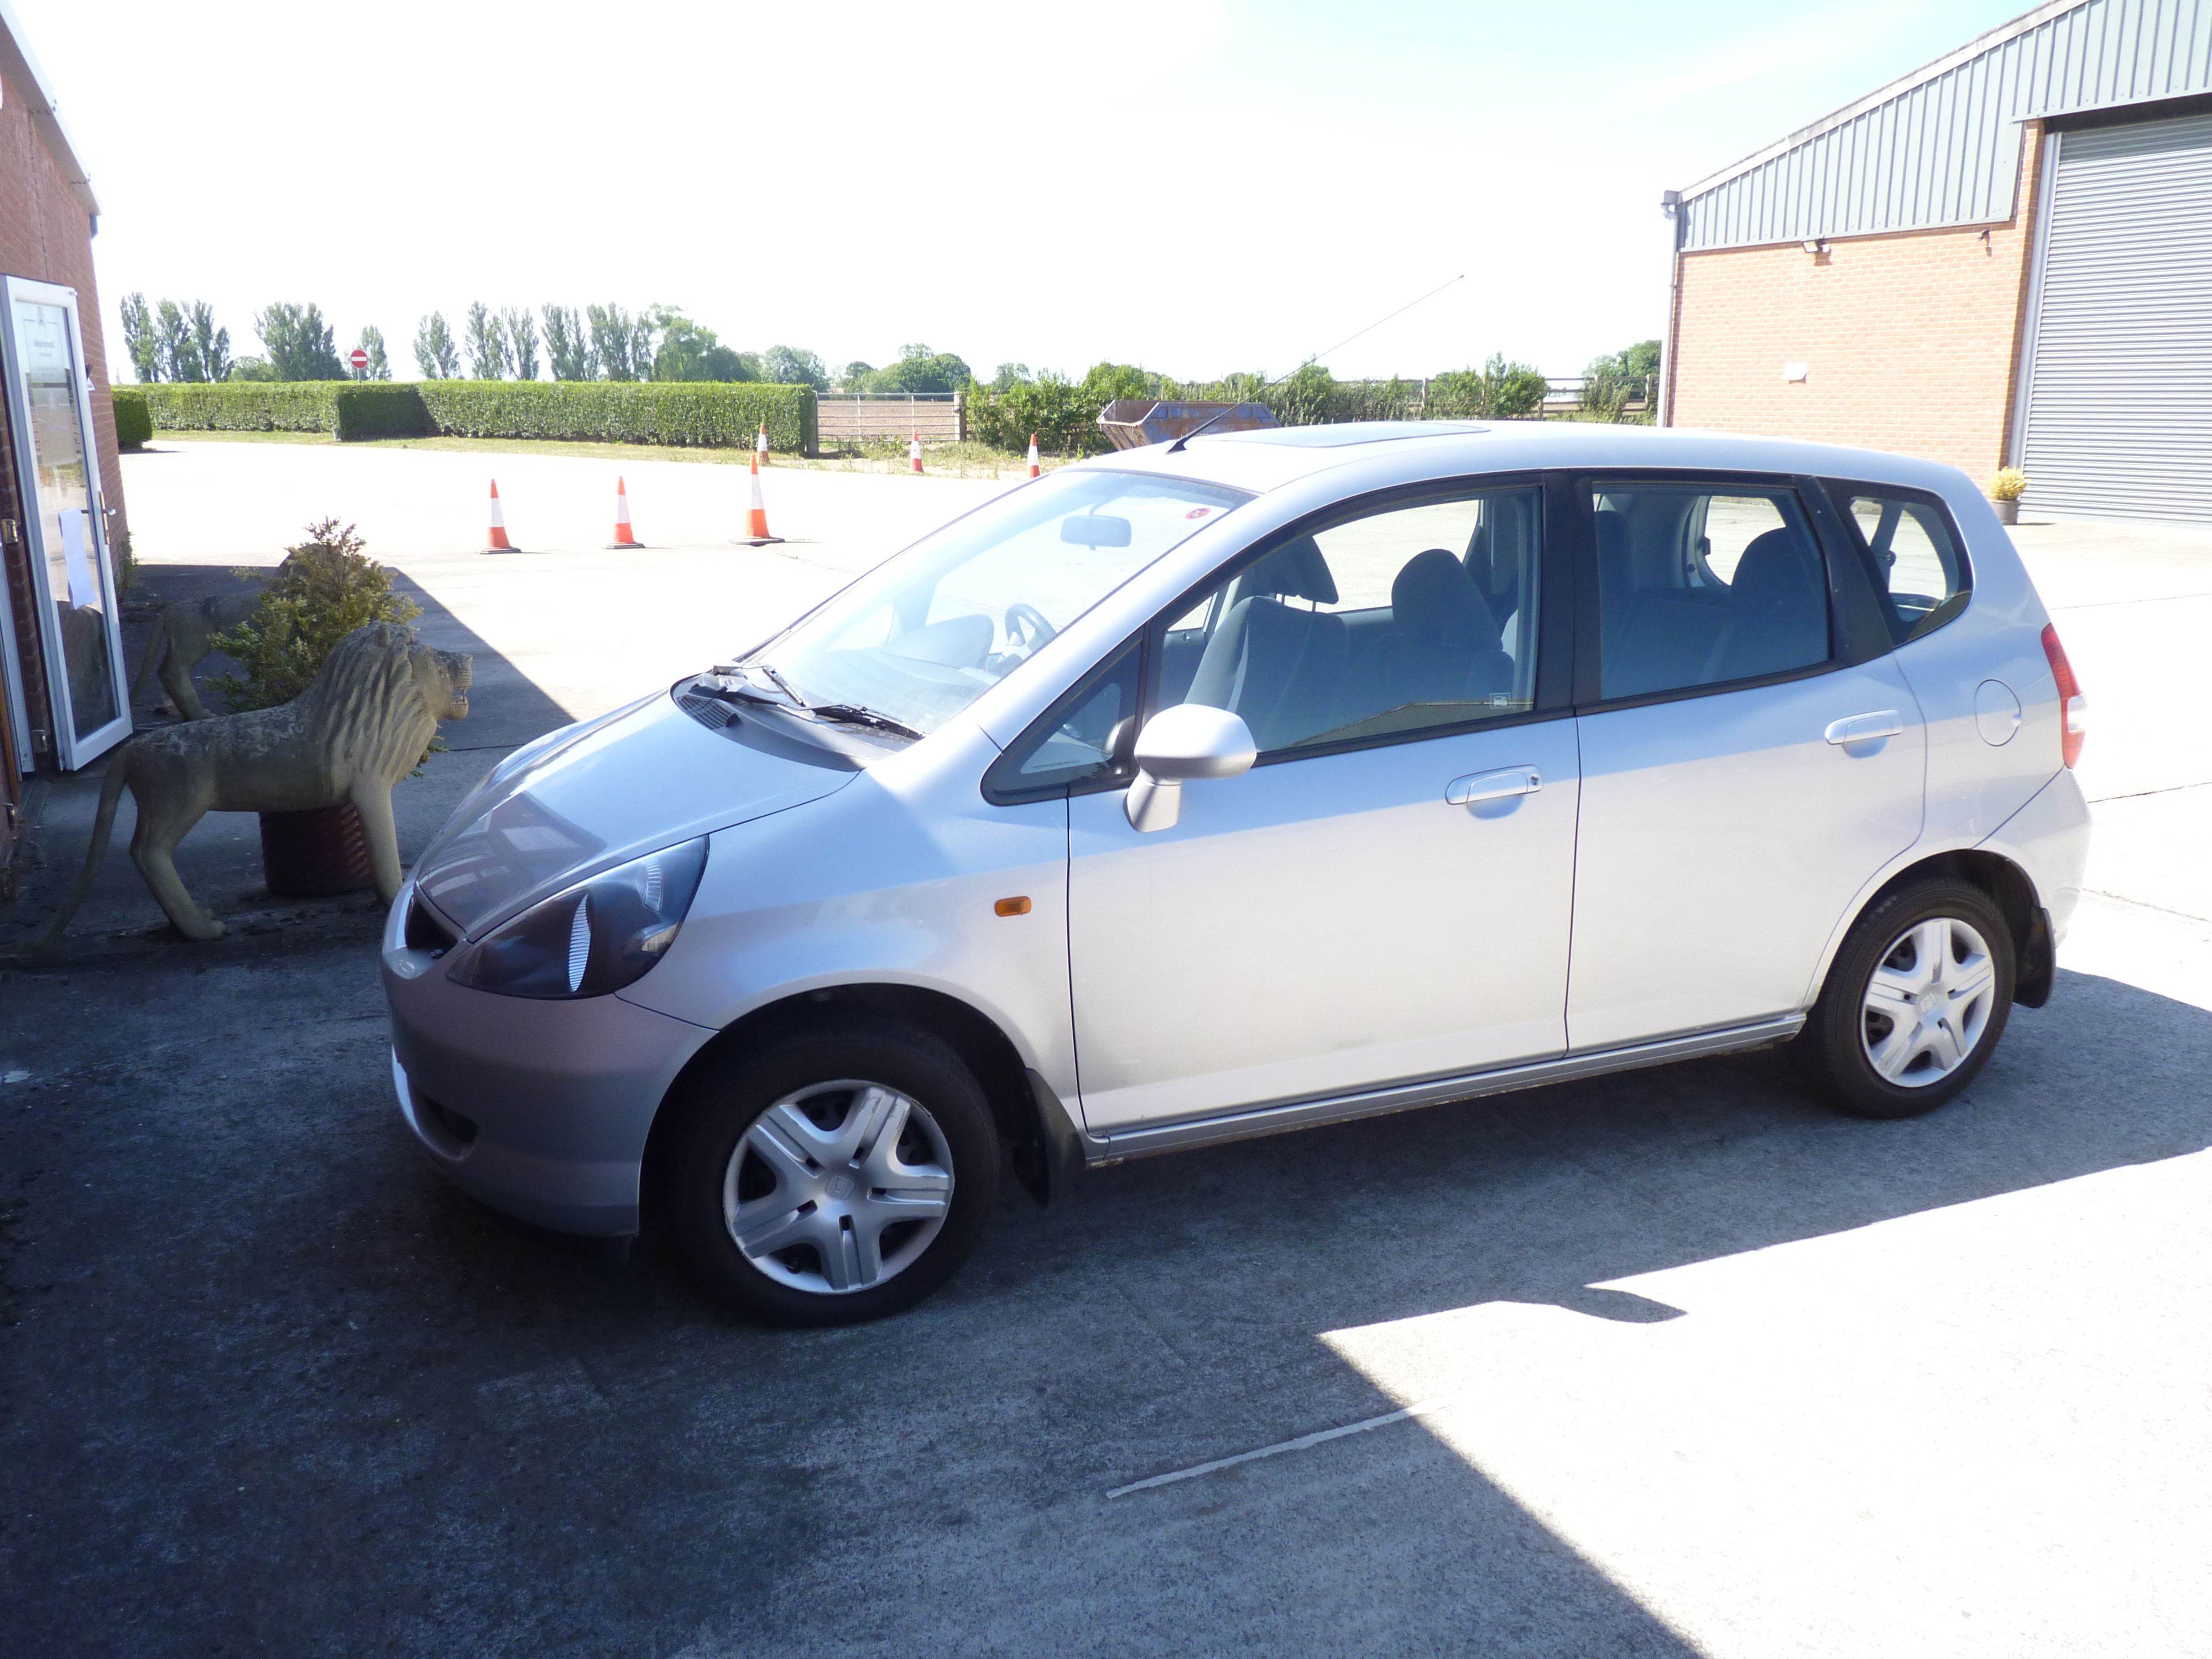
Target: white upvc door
(64, 526)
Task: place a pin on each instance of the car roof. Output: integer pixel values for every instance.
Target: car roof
(1272, 457)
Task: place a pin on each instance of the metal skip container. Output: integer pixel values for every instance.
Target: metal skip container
(1133, 423)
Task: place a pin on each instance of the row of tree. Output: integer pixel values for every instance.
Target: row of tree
(1064, 412)
(169, 341)
(598, 342)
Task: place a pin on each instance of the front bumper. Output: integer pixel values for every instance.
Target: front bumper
(539, 1108)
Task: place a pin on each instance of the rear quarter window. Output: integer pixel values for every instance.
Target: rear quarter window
(1913, 554)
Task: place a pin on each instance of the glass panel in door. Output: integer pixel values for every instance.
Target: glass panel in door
(69, 537)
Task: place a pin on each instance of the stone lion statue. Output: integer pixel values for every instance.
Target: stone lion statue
(183, 635)
(362, 727)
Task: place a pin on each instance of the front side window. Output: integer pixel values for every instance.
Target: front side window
(1920, 576)
(924, 634)
(1700, 585)
(1412, 618)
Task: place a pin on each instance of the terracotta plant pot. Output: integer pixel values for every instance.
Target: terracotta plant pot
(315, 854)
(2008, 511)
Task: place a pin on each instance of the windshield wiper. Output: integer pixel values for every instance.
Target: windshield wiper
(781, 684)
(852, 713)
(845, 714)
(730, 681)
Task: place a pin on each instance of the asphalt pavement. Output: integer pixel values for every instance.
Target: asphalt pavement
(1673, 1363)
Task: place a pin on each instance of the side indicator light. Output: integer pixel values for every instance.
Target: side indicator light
(1020, 907)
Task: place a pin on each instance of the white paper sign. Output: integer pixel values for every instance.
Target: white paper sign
(83, 585)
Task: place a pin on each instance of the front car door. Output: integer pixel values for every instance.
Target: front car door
(1385, 896)
(1752, 757)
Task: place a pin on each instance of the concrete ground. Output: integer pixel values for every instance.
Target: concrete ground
(1665, 1364)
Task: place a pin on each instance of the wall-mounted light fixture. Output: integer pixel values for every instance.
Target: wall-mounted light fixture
(1816, 245)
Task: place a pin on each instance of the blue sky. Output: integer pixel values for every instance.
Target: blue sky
(1193, 185)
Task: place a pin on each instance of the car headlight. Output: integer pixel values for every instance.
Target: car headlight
(594, 938)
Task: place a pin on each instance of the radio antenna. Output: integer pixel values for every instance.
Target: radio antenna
(1178, 444)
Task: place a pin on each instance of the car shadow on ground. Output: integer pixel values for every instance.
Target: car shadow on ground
(336, 1406)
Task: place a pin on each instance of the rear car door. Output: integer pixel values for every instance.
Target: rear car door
(1751, 754)
(1385, 896)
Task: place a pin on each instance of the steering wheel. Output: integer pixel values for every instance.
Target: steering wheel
(1030, 621)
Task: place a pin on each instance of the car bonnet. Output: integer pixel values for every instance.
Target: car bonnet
(653, 778)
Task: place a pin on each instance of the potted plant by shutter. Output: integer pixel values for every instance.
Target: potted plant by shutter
(2005, 491)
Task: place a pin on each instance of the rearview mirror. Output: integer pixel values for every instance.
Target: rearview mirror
(1094, 530)
(1177, 744)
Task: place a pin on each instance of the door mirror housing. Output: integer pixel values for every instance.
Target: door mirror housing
(1190, 740)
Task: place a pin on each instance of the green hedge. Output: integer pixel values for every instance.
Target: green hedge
(682, 413)
(134, 421)
(379, 409)
(704, 413)
(243, 405)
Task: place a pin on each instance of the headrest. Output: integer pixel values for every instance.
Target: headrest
(1776, 570)
(1295, 570)
(1433, 600)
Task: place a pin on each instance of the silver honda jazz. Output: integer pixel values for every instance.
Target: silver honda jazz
(1270, 779)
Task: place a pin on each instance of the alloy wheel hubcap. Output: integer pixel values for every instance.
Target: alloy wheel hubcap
(838, 1186)
(1928, 1002)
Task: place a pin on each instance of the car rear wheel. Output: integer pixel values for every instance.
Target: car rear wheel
(834, 1175)
(1914, 1002)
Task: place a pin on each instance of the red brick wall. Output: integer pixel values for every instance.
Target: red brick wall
(1910, 340)
(46, 233)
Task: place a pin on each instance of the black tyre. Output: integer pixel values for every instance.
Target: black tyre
(1915, 1002)
(834, 1175)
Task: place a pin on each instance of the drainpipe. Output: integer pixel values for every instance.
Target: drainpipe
(1671, 203)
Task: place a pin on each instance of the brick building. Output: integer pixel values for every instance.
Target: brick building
(2004, 258)
(64, 697)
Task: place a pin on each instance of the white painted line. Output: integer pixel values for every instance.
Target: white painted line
(1301, 1444)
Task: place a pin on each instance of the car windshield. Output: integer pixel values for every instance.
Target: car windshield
(924, 634)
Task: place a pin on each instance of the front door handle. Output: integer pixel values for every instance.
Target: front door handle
(1865, 728)
(1494, 785)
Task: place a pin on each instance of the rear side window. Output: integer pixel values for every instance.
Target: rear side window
(1919, 571)
(1701, 586)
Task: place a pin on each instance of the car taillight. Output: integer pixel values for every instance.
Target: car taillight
(2073, 707)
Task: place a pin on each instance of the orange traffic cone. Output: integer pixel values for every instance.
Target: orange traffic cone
(496, 539)
(624, 536)
(760, 444)
(756, 519)
(914, 452)
(1035, 470)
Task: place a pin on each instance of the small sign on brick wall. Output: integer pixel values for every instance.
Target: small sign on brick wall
(1794, 373)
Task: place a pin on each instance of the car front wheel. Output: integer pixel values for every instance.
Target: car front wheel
(1917, 999)
(834, 1175)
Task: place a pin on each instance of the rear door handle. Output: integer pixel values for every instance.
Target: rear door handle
(1494, 785)
(1865, 728)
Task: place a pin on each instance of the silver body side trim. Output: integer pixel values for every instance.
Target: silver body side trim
(1249, 1121)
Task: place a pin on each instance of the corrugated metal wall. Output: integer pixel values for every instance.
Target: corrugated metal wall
(2119, 421)
(1947, 151)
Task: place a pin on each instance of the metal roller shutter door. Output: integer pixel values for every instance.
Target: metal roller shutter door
(2119, 414)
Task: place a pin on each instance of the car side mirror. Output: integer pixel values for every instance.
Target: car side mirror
(1177, 744)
